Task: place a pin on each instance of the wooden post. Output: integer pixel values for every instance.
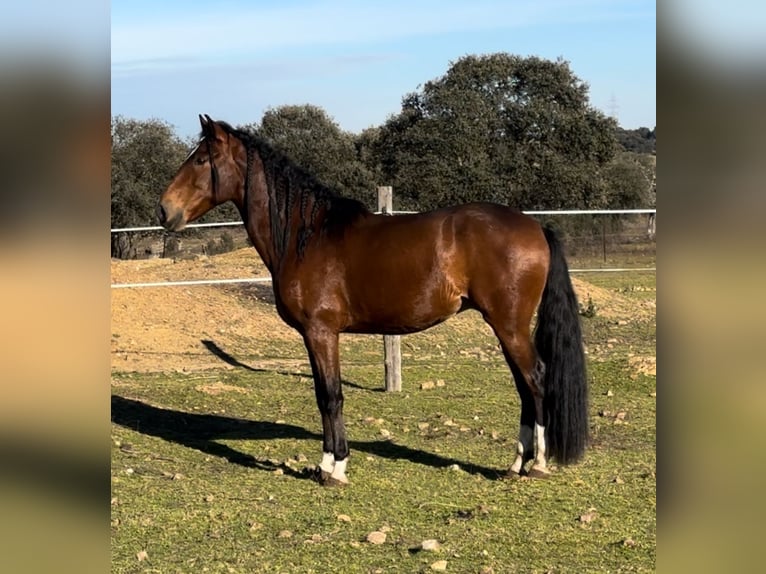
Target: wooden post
(392, 361)
(392, 344)
(385, 199)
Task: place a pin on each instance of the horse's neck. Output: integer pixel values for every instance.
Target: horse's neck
(280, 221)
(255, 212)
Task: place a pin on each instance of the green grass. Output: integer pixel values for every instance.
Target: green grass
(210, 482)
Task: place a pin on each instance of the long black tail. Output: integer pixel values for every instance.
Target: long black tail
(558, 338)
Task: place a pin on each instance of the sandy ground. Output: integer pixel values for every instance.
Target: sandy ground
(163, 328)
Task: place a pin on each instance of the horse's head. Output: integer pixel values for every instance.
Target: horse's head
(209, 176)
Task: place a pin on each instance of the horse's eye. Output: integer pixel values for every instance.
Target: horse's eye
(199, 160)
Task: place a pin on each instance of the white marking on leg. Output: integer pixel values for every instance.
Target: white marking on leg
(339, 472)
(328, 462)
(523, 445)
(540, 455)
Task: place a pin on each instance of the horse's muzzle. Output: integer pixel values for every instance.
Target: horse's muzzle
(171, 221)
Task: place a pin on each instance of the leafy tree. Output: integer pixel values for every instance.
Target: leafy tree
(630, 179)
(145, 156)
(315, 142)
(365, 143)
(502, 128)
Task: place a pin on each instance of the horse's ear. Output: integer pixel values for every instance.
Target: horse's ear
(213, 130)
(210, 129)
(207, 127)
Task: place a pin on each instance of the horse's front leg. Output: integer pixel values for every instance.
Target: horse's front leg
(322, 346)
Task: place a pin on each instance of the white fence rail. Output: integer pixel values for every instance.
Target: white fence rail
(542, 212)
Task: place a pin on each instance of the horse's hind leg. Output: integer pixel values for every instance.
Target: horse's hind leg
(525, 443)
(528, 373)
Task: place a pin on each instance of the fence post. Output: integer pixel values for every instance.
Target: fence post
(392, 344)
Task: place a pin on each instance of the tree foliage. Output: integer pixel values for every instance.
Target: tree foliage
(315, 142)
(502, 128)
(631, 180)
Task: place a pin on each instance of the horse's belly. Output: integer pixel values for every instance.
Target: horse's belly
(402, 316)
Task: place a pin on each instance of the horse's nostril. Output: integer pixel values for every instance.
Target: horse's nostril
(161, 215)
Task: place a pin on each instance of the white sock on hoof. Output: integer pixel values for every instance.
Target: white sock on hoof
(523, 445)
(328, 462)
(339, 472)
(540, 456)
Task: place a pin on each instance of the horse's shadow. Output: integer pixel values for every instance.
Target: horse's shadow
(229, 359)
(202, 431)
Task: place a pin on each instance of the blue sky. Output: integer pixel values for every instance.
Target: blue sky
(235, 59)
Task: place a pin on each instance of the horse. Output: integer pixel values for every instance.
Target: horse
(427, 267)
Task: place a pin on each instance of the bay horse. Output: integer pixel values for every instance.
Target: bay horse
(338, 268)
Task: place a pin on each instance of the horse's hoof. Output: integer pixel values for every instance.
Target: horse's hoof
(512, 475)
(333, 482)
(538, 473)
(317, 474)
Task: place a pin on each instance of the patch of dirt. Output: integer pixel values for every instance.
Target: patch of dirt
(218, 387)
(165, 328)
(190, 328)
(611, 304)
(643, 365)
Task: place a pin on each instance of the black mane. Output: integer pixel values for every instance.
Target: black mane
(288, 185)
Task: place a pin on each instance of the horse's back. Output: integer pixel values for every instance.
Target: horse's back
(490, 230)
(465, 221)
